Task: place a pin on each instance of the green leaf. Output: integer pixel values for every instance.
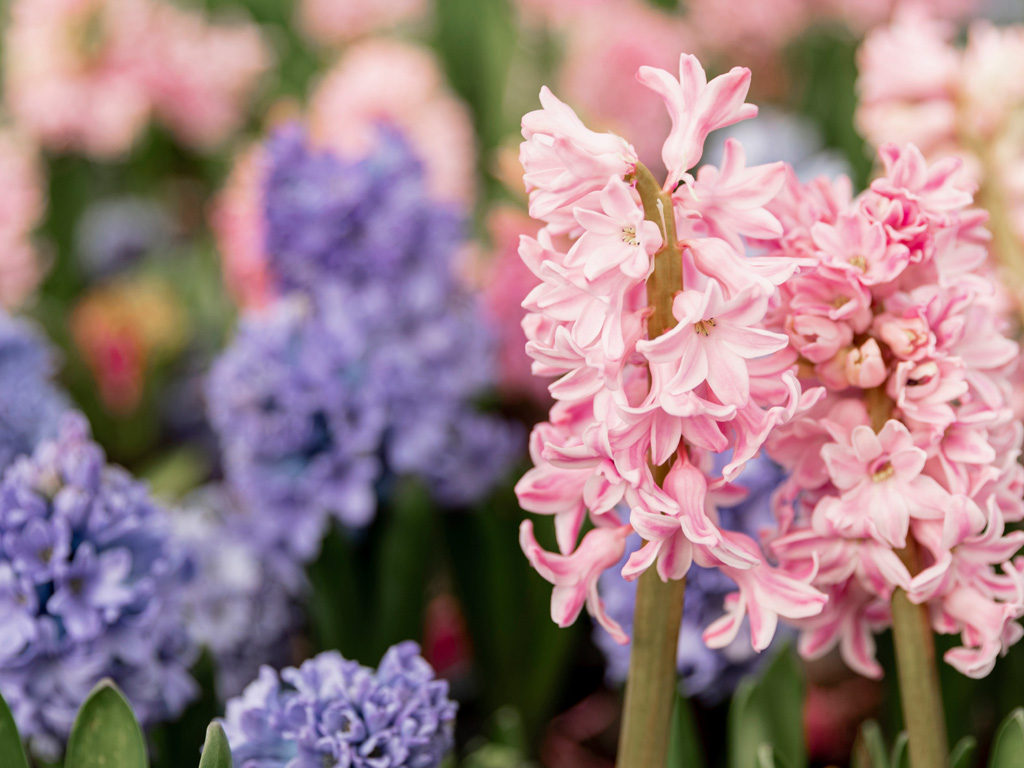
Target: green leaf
(766, 756)
(1008, 748)
(900, 753)
(216, 751)
(769, 711)
(12, 754)
(962, 755)
(684, 743)
(105, 733)
(869, 750)
(403, 566)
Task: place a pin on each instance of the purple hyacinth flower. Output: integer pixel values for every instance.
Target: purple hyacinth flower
(333, 713)
(90, 587)
(370, 365)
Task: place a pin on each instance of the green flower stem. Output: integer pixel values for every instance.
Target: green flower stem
(916, 669)
(918, 674)
(651, 686)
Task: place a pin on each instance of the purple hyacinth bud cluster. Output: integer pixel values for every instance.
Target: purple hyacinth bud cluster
(89, 588)
(706, 673)
(369, 365)
(336, 713)
(30, 405)
(238, 604)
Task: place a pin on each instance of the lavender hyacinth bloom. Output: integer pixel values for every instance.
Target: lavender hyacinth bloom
(369, 366)
(238, 603)
(335, 713)
(30, 406)
(89, 585)
(704, 672)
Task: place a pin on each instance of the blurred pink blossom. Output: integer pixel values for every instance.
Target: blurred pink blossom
(72, 72)
(329, 22)
(386, 82)
(505, 282)
(21, 206)
(238, 224)
(199, 75)
(87, 75)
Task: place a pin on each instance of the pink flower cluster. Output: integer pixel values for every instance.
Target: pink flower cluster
(87, 75)
(629, 400)
(917, 86)
(905, 474)
(22, 201)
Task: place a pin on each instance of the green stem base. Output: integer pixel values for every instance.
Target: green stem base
(920, 693)
(651, 687)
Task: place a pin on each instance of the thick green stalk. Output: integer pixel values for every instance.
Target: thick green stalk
(918, 674)
(920, 692)
(650, 688)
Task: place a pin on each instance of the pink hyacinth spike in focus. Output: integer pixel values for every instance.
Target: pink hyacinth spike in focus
(349, 107)
(905, 473)
(629, 400)
(605, 45)
(22, 202)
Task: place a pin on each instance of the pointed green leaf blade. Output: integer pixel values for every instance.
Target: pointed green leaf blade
(684, 744)
(869, 750)
(1008, 748)
(105, 733)
(12, 754)
(900, 752)
(769, 711)
(216, 751)
(962, 755)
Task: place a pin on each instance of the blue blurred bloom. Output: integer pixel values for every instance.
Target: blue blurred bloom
(369, 366)
(239, 604)
(114, 233)
(30, 406)
(331, 712)
(89, 585)
(704, 672)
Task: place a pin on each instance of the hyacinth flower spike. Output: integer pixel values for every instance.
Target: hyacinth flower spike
(904, 475)
(652, 322)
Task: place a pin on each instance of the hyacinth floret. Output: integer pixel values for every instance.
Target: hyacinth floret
(656, 338)
(90, 578)
(334, 713)
(368, 365)
(240, 602)
(707, 673)
(906, 474)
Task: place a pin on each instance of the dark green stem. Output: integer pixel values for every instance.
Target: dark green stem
(650, 688)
